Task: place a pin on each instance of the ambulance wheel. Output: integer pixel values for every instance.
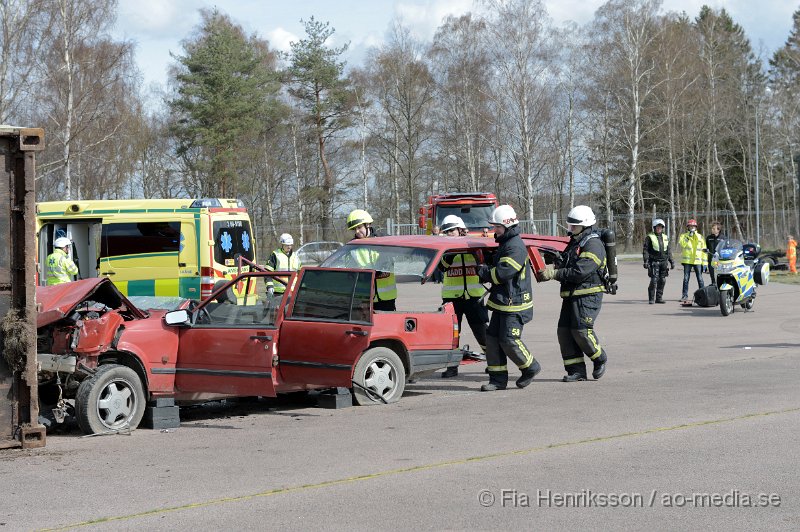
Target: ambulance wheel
(379, 372)
(726, 302)
(112, 399)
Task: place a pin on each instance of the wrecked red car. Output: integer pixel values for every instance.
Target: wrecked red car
(104, 359)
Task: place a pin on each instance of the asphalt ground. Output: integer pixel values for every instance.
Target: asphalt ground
(697, 416)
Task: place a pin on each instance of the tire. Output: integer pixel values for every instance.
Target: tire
(726, 302)
(761, 273)
(380, 370)
(112, 399)
(770, 261)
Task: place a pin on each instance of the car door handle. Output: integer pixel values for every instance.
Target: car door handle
(262, 338)
(108, 273)
(356, 333)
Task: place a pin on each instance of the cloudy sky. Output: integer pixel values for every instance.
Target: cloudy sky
(158, 26)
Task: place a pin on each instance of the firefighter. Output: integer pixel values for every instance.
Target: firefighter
(511, 301)
(360, 222)
(693, 254)
(462, 287)
(60, 268)
(581, 271)
(791, 254)
(656, 253)
(282, 259)
(711, 244)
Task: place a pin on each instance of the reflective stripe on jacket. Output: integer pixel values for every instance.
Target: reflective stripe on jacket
(279, 261)
(656, 248)
(692, 246)
(60, 268)
(461, 277)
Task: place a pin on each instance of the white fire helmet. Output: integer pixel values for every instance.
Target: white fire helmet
(504, 215)
(581, 215)
(287, 240)
(659, 221)
(62, 242)
(451, 221)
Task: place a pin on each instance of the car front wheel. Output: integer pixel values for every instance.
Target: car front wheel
(112, 399)
(378, 373)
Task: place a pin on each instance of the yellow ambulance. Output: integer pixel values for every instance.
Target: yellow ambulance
(150, 247)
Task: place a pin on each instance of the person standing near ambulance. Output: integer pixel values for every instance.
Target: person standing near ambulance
(60, 268)
(462, 287)
(511, 302)
(282, 259)
(581, 270)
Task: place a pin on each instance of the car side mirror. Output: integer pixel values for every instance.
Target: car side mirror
(177, 317)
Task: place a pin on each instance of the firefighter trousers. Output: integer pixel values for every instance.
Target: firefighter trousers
(575, 332)
(504, 341)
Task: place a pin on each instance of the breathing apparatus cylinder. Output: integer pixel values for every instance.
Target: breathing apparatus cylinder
(610, 243)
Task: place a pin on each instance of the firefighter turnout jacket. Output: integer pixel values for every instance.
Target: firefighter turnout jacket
(279, 261)
(583, 267)
(60, 268)
(510, 276)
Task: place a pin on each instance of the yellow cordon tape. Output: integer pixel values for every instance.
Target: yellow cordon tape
(504, 454)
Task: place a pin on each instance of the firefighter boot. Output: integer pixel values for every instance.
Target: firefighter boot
(599, 365)
(528, 374)
(575, 372)
(498, 380)
(450, 372)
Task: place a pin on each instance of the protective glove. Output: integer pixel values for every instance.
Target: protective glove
(671, 265)
(645, 265)
(548, 273)
(271, 291)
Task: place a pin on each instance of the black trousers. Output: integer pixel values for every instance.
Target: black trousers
(387, 304)
(658, 272)
(477, 317)
(575, 332)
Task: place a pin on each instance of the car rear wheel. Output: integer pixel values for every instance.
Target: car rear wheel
(112, 399)
(378, 373)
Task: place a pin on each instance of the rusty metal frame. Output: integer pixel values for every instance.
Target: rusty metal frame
(19, 393)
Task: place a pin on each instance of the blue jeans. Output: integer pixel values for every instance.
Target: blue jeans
(687, 272)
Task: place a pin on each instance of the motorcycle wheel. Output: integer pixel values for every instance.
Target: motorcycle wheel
(726, 302)
(748, 305)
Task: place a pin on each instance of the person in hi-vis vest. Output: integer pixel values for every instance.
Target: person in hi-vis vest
(60, 268)
(462, 287)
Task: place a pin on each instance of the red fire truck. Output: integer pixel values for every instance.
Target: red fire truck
(475, 208)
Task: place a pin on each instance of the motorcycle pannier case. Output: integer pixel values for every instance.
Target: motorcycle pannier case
(707, 296)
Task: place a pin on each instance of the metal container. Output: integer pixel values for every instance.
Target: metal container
(19, 397)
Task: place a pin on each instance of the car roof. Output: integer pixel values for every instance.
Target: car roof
(446, 244)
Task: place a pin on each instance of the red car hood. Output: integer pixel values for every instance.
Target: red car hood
(57, 301)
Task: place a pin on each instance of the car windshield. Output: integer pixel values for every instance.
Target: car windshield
(475, 217)
(729, 248)
(401, 260)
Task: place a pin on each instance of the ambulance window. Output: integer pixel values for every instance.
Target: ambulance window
(139, 238)
(231, 238)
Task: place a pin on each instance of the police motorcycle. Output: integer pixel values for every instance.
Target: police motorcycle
(738, 271)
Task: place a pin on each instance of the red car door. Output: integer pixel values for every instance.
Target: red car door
(230, 345)
(326, 329)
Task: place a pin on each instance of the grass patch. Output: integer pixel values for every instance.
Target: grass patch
(783, 277)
